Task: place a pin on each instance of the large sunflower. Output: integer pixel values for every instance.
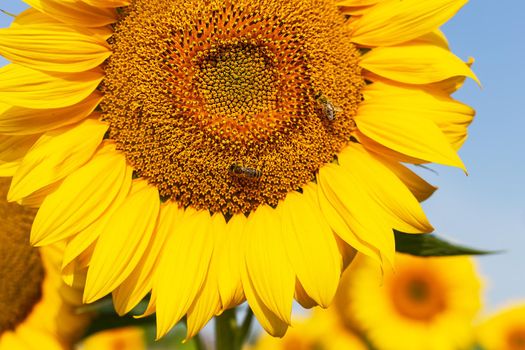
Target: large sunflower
(432, 301)
(209, 152)
(504, 330)
(38, 309)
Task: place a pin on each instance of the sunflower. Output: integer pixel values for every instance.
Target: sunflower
(38, 309)
(127, 338)
(320, 331)
(433, 300)
(504, 330)
(211, 152)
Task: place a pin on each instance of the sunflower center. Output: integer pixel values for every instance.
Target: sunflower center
(516, 339)
(21, 268)
(225, 105)
(236, 82)
(417, 296)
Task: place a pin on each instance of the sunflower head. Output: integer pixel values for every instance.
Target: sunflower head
(504, 330)
(227, 117)
(433, 299)
(37, 309)
(21, 265)
(212, 152)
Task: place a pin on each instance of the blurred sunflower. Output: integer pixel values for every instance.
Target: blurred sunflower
(37, 307)
(504, 330)
(432, 300)
(321, 331)
(209, 152)
(127, 338)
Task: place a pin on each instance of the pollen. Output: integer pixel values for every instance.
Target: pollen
(20, 264)
(195, 89)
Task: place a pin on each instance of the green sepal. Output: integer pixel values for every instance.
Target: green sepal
(425, 245)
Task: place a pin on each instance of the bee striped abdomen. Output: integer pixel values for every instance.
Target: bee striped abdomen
(245, 172)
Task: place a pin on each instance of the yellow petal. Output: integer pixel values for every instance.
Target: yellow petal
(436, 38)
(407, 133)
(74, 274)
(452, 117)
(360, 213)
(421, 189)
(356, 3)
(348, 253)
(302, 297)
(140, 281)
(25, 87)
(107, 3)
(12, 151)
(123, 241)
(77, 13)
(77, 246)
(310, 245)
(267, 263)
(56, 48)
(33, 17)
(416, 63)
(83, 240)
(396, 202)
(355, 8)
(55, 155)
(207, 303)
(268, 320)
(8, 169)
(152, 306)
(376, 147)
(354, 12)
(229, 259)
(339, 225)
(81, 199)
(35, 199)
(453, 84)
(25, 121)
(182, 267)
(391, 22)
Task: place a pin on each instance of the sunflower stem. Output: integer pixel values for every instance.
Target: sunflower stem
(244, 330)
(226, 331)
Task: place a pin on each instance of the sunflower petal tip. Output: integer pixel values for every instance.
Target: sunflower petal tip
(92, 294)
(12, 195)
(120, 310)
(161, 332)
(473, 76)
(36, 239)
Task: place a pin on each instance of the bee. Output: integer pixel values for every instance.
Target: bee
(245, 172)
(329, 109)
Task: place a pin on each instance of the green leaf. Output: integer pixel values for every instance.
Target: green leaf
(431, 245)
(106, 322)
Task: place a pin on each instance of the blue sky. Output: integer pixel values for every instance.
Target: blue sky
(487, 208)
